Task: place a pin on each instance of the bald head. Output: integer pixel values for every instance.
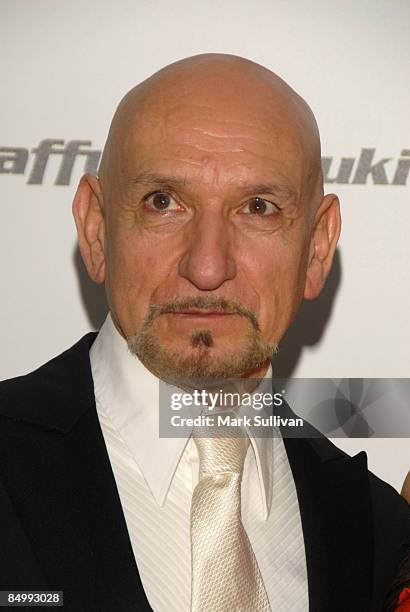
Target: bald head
(201, 92)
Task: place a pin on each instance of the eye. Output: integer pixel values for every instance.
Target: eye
(261, 207)
(161, 201)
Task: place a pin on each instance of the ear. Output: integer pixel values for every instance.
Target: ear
(323, 243)
(88, 211)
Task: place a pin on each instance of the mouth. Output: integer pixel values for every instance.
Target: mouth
(202, 313)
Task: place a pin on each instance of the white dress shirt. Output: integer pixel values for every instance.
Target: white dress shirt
(155, 477)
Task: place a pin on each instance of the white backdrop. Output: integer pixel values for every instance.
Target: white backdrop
(66, 65)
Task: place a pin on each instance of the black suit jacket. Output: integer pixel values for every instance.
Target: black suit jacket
(62, 525)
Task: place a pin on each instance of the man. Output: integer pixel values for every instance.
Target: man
(208, 225)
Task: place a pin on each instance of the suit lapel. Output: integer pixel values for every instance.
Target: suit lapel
(334, 501)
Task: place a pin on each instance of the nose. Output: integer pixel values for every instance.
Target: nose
(207, 262)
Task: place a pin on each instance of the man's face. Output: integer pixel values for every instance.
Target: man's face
(207, 233)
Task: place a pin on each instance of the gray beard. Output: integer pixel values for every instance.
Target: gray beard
(201, 362)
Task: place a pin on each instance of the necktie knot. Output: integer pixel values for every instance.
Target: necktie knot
(220, 449)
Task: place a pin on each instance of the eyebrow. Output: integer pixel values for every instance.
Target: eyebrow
(283, 189)
(150, 178)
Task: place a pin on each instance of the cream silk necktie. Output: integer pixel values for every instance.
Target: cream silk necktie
(225, 573)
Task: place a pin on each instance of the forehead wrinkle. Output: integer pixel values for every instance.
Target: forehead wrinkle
(171, 113)
(201, 139)
(255, 167)
(186, 146)
(240, 117)
(250, 138)
(270, 119)
(196, 119)
(261, 131)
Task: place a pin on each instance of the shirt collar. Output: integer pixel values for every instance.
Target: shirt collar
(128, 394)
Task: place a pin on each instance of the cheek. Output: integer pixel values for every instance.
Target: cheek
(135, 269)
(278, 275)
